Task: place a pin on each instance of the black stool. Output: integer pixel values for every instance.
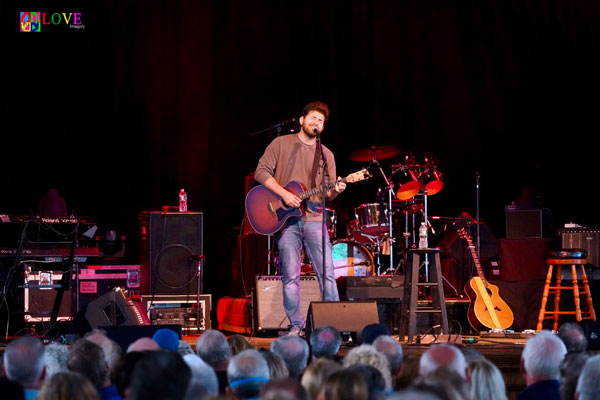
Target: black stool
(410, 307)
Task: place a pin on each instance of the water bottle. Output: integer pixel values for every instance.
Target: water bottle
(182, 201)
(423, 236)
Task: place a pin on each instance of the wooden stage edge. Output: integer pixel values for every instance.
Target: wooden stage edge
(505, 353)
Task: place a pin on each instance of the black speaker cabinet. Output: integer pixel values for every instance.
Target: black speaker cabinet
(268, 306)
(522, 224)
(345, 316)
(171, 252)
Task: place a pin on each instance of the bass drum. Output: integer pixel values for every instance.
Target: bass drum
(351, 259)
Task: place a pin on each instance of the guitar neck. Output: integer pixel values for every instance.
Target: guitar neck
(318, 190)
(475, 259)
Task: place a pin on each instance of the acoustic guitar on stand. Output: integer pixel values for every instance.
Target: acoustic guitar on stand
(487, 309)
(266, 211)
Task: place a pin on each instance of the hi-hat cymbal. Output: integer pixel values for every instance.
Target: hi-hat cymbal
(374, 152)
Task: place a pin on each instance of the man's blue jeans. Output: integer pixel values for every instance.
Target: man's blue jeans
(290, 241)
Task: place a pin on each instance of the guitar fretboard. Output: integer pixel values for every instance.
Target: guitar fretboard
(463, 234)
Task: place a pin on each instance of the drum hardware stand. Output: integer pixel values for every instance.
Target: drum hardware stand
(378, 244)
(390, 189)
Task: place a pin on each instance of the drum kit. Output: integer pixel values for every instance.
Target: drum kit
(370, 233)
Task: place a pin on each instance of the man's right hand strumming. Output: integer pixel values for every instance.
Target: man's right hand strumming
(291, 200)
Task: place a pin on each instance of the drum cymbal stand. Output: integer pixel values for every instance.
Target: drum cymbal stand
(390, 189)
(377, 244)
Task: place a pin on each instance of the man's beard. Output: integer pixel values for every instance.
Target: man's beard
(308, 130)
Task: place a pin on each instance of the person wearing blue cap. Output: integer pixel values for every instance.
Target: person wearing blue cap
(167, 339)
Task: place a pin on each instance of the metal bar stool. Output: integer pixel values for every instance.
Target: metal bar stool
(410, 307)
(563, 258)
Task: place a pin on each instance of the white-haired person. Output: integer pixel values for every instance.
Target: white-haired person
(588, 387)
(443, 355)
(540, 366)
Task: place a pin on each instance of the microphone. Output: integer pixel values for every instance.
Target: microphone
(315, 131)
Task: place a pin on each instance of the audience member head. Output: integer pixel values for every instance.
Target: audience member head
(486, 381)
(88, 359)
(587, 385)
(541, 357)
(409, 371)
(239, 343)
(213, 348)
(372, 331)
(167, 339)
(445, 383)
(283, 389)
(316, 373)
(143, 344)
(392, 350)
(440, 355)
(184, 348)
(344, 385)
(203, 383)
(55, 358)
(277, 367)
(294, 351)
(366, 354)
(121, 374)
(112, 350)
(570, 370)
(471, 354)
(68, 386)
(325, 341)
(573, 337)
(247, 373)
(159, 375)
(373, 379)
(414, 394)
(24, 362)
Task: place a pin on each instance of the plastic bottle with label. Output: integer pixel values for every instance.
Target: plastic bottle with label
(182, 201)
(423, 236)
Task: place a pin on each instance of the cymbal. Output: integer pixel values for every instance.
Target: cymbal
(377, 152)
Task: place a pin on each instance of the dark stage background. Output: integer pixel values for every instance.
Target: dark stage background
(154, 96)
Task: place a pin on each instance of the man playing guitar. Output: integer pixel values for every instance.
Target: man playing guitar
(296, 158)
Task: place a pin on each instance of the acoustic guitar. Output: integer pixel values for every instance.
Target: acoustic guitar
(266, 211)
(487, 309)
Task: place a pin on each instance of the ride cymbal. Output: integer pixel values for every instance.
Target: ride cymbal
(374, 152)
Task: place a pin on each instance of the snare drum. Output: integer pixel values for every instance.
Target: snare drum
(372, 219)
(351, 259)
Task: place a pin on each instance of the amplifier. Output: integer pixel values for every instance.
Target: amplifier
(39, 295)
(521, 224)
(268, 311)
(190, 311)
(583, 238)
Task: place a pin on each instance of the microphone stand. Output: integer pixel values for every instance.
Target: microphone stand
(324, 174)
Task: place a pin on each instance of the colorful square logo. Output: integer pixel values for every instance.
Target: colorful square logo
(30, 22)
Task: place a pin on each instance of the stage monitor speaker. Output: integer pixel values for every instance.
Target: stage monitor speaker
(268, 307)
(523, 224)
(125, 335)
(171, 252)
(345, 316)
(115, 309)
